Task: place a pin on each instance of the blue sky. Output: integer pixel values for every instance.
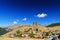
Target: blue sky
(43, 12)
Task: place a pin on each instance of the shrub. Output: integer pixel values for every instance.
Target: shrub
(47, 33)
(53, 33)
(18, 33)
(32, 35)
(36, 29)
(30, 29)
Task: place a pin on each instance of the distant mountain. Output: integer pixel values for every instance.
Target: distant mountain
(2, 31)
(54, 24)
(6, 29)
(12, 27)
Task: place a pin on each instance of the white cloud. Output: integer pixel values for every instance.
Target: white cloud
(42, 15)
(15, 22)
(24, 19)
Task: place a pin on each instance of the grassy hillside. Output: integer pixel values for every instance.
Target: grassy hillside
(31, 32)
(27, 29)
(53, 24)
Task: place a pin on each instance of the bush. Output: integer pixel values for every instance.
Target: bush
(32, 35)
(37, 29)
(30, 29)
(53, 33)
(18, 33)
(47, 33)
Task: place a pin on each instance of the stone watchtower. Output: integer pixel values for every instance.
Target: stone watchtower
(35, 25)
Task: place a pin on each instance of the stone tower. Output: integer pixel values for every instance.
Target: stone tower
(35, 25)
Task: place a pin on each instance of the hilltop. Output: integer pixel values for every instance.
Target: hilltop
(24, 28)
(30, 31)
